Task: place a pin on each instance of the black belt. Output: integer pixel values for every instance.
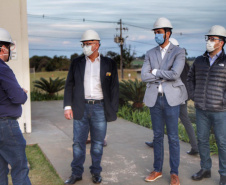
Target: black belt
(14, 118)
(161, 94)
(94, 101)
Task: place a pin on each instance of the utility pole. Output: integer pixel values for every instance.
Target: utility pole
(120, 40)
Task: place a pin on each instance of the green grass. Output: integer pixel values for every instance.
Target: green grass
(41, 171)
(138, 62)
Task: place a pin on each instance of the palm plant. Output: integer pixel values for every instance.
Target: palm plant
(51, 86)
(132, 91)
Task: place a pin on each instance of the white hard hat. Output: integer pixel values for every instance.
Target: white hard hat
(217, 30)
(162, 23)
(5, 36)
(174, 41)
(90, 35)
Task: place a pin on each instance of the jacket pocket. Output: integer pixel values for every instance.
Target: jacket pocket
(177, 83)
(148, 85)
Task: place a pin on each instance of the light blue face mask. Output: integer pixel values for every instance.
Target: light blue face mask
(159, 38)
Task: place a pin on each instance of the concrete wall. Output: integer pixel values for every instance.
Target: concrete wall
(13, 17)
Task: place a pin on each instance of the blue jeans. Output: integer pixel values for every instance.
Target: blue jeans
(162, 113)
(12, 151)
(95, 121)
(204, 121)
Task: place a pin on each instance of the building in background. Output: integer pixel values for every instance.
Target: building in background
(13, 17)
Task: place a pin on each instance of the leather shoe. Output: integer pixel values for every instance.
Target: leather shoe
(222, 180)
(73, 179)
(192, 152)
(150, 144)
(96, 178)
(201, 174)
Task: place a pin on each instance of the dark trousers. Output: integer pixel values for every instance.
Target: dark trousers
(12, 151)
(188, 126)
(93, 120)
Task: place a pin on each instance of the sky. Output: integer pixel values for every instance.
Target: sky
(55, 27)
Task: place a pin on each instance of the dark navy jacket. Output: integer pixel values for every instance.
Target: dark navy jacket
(11, 94)
(74, 89)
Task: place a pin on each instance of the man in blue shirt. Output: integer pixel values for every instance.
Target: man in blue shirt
(206, 86)
(12, 142)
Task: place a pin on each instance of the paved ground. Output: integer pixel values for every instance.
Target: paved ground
(126, 160)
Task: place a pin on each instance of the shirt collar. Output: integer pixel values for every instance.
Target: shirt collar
(96, 59)
(215, 56)
(165, 48)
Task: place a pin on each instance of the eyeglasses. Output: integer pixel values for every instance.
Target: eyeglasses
(211, 38)
(87, 44)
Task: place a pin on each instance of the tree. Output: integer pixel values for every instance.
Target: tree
(127, 55)
(74, 56)
(39, 62)
(114, 56)
(61, 63)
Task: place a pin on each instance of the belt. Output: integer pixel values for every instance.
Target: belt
(14, 118)
(161, 94)
(94, 101)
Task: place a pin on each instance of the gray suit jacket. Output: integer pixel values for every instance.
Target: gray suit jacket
(168, 74)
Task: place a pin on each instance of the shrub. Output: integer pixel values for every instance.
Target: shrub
(38, 96)
(138, 116)
(132, 91)
(51, 86)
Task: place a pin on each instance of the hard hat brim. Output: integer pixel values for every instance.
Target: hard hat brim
(162, 28)
(83, 40)
(215, 35)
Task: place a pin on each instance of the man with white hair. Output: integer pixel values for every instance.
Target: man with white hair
(90, 99)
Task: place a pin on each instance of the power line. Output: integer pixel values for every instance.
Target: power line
(67, 50)
(145, 28)
(63, 18)
(54, 37)
(141, 42)
(100, 21)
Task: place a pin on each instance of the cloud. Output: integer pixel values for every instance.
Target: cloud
(191, 18)
(66, 42)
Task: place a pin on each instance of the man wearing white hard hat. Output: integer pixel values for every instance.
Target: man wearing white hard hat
(164, 93)
(12, 142)
(91, 100)
(184, 112)
(207, 87)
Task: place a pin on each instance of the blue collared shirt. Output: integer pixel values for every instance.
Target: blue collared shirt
(11, 94)
(212, 60)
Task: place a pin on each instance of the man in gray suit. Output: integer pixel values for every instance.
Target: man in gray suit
(164, 93)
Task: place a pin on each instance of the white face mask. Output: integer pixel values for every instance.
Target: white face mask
(210, 46)
(87, 50)
(9, 54)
